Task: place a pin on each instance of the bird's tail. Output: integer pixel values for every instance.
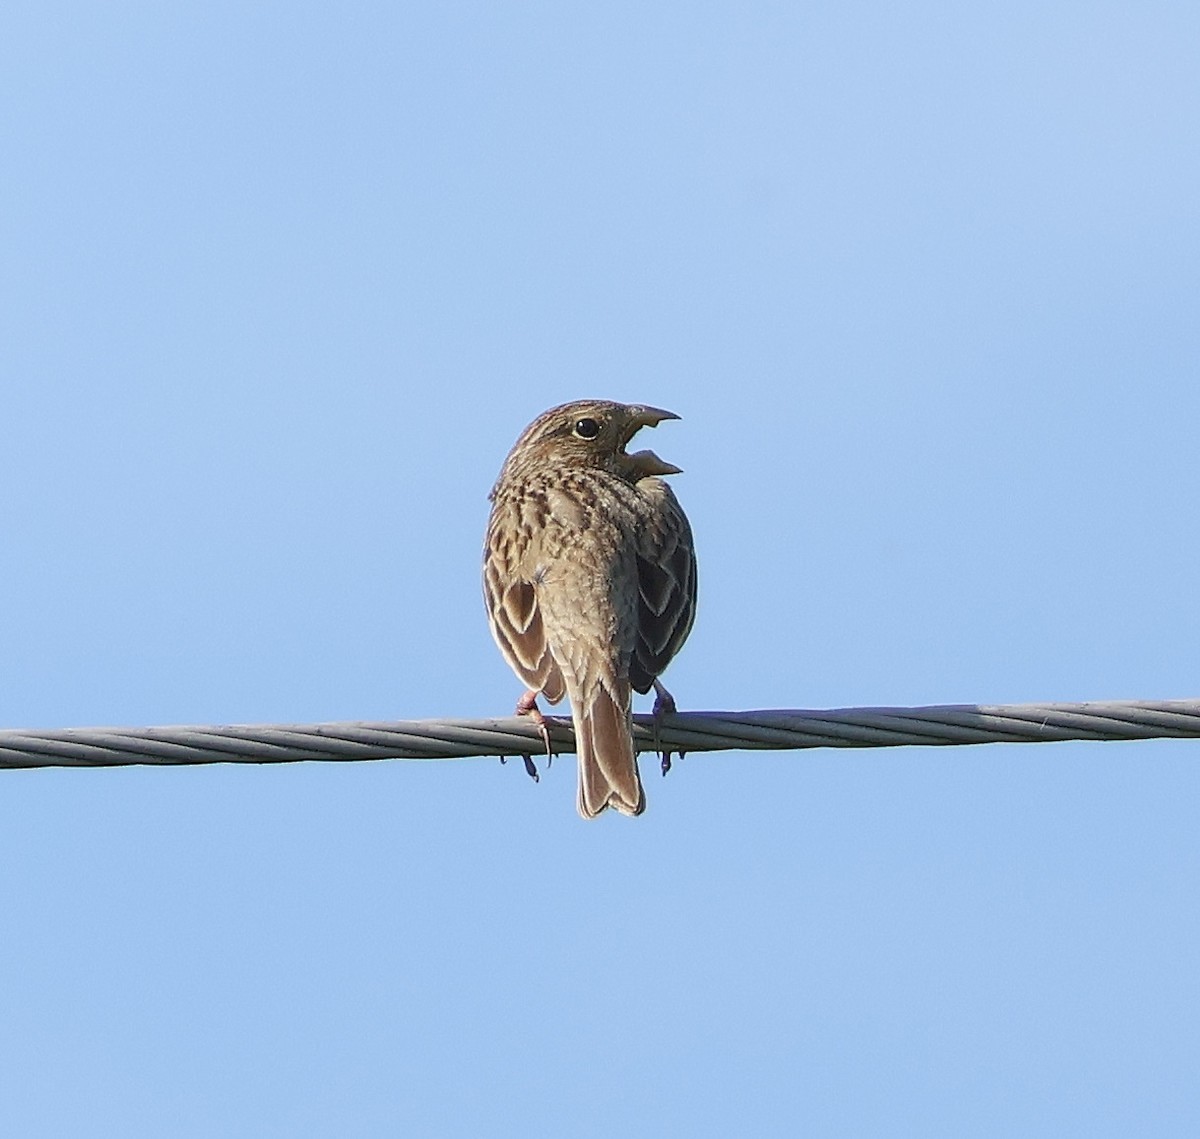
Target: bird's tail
(608, 773)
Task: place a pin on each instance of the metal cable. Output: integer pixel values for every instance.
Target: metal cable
(682, 732)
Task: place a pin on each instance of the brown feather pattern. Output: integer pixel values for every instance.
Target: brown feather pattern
(590, 580)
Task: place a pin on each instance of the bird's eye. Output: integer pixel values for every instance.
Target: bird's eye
(587, 428)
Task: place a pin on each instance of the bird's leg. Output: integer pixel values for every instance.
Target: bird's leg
(664, 705)
(527, 706)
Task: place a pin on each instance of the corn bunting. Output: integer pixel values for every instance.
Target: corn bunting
(590, 582)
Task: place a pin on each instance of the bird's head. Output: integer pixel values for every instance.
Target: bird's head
(590, 433)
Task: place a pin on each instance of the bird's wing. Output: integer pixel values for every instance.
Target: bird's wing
(516, 621)
(666, 564)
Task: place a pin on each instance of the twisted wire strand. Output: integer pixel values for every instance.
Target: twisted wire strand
(681, 732)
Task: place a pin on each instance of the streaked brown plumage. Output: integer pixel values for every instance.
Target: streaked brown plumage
(590, 580)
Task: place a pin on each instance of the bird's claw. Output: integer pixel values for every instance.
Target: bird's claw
(530, 769)
(527, 706)
(664, 705)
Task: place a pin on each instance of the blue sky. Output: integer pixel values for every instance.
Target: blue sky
(282, 283)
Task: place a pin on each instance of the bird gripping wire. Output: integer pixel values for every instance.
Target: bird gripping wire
(682, 732)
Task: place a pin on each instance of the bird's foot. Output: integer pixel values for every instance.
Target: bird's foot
(527, 706)
(664, 705)
(530, 770)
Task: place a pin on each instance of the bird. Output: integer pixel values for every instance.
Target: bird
(589, 580)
